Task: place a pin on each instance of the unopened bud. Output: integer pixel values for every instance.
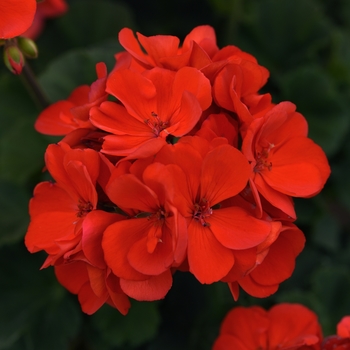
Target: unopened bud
(28, 47)
(13, 59)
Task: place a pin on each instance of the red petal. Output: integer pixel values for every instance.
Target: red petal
(229, 342)
(248, 326)
(277, 199)
(118, 299)
(48, 197)
(209, 261)
(225, 172)
(16, 16)
(279, 263)
(133, 147)
(50, 122)
(114, 118)
(204, 36)
(292, 326)
(137, 93)
(72, 276)
(343, 327)
(130, 44)
(299, 168)
(153, 263)
(97, 278)
(235, 228)
(46, 228)
(89, 301)
(159, 46)
(186, 117)
(193, 81)
(154, 288)
(94, 224)
(117, 241)
(129, 192)
(255, 289)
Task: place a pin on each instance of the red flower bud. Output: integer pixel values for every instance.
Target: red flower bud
(13, 59)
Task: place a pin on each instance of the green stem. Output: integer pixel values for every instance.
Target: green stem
(30, 81)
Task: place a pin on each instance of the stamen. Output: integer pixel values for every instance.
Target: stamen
(262, 159)
(84, 208)
(202, 210)
(157, 125)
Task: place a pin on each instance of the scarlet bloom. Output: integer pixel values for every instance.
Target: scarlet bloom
(157, 103)
(164, 50)
(204, 178)
(283, 327)
(45, 9)
(274, 264)
(237, 84)
(15, 17)
(58, 209)
(341, 341)
(284, 161)
(65, 116)
(85, 272)
(67, 225)
(142, 249)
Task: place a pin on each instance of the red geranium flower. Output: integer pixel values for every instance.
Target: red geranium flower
(164, 51)
(58, 209)
(204, 178)
(283, 327)
(284, 161)
(341, 341)
(274, 264)
(64, 116)
(142, 249)
(157, 103)
(237, 84)
(86, 273)
(16, 16)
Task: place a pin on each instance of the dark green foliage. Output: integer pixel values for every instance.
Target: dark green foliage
(305, 46)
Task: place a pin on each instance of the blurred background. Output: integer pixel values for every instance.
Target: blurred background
(306, 47)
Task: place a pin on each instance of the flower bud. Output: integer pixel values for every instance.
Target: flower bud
(28, 47)
(13, 59)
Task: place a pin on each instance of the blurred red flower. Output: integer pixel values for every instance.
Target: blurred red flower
(45, 9)
(16, 16)
(341, 341)
(283, 327)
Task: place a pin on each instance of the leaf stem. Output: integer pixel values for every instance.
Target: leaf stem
(30, 81)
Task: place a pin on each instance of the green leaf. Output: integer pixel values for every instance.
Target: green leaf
(35, 312)
(16, 103)
(331, 284)
(137, 327)
(316, 96)
(14, 216)
(326, 233)
(90, 22)
(289, 30)
(21, 152)
(73, 69)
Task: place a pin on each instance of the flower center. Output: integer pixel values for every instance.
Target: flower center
(156, 231)
(84, 208)
(202, 210)
(261, 158)
(156, 124)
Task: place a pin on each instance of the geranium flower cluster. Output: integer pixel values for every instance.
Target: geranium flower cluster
(284, 327)
(173, 161)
